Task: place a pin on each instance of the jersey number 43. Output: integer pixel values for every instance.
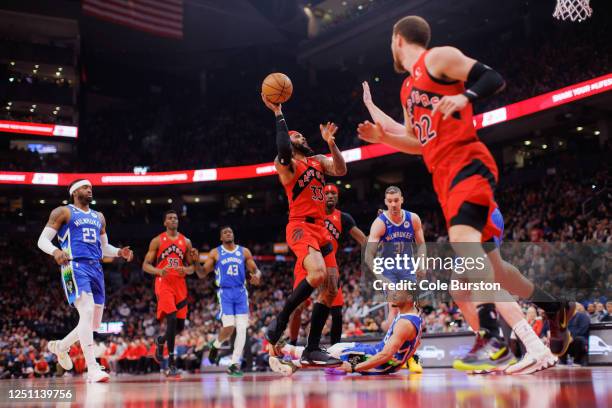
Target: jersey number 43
(232, 270)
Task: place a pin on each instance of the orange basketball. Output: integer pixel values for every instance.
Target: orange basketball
(277, 87)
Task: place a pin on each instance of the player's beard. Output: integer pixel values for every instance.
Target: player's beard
(304, 149)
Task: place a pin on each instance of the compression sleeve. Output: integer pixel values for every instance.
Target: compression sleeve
(44, 241)
(283, 144)
(108, 249)
(485, 82)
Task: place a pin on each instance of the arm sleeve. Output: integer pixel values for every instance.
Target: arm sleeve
(44, 241)
(108, 249)
(347, 221)
(283, 144)
(484, 82)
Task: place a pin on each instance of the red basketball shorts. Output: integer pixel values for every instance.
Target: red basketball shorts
(171, 297)
(465, 184)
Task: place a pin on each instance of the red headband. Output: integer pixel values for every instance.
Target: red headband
(294, 132)
(330, 187)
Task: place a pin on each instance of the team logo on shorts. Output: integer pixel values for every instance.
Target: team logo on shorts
(297, 235)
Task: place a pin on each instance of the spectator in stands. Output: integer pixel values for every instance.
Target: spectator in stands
(579, 328)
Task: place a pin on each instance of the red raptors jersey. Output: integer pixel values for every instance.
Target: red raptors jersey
(171, 252)
(305, 191)
(440, 138)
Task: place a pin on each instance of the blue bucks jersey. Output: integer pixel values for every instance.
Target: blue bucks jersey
(80, 237)
(407, 348)
(229, 269)
(401, 234)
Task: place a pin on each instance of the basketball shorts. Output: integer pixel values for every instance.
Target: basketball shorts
(465, 186)
(88, 276)
(233, 301)
(301, 236)
(171, 297)
(339, 299)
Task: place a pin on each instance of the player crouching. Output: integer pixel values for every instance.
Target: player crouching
(386, 357)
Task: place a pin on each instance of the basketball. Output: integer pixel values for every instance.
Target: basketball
(277, 87)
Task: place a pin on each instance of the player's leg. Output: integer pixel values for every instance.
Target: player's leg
(227, 315)
(241, 308)
(538, 356)
(558, 312)
(336, 316)
(295, 323)
(489, 351)
(313, 354)
(242, 324)
(305, 246)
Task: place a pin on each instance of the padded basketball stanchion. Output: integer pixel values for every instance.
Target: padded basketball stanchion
(574, 10)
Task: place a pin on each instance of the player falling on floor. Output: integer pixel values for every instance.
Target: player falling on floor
(230, 263)
(302, 174)
(170, 259)
(438, 108)
(395, 231)
(386, 357)
(338, 223)
(83, 241)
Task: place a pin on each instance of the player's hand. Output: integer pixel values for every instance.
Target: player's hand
(367, 96)
(61, 257)
(370, 132)
(449, 105)
(328, 132)
(274, 107)
(164, 271)
(256, 278)
(346, 366)
(126, 253)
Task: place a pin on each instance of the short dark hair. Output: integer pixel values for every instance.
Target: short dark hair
(170, 212)
(224, 227)
(413, 29)
(393, 190)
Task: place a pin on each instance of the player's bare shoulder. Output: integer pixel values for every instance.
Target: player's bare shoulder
(58, 217)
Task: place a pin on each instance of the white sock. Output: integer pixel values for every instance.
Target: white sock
(217, 344)
(532, 343)
(85, 307)
(241, 329)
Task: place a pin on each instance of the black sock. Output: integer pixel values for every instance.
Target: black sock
(170, 359)
(336, 327)
(161, 339)
(545, 300)
(487, 315)
(293, 342)
(171, 334)
(299, 295)
(320, 313)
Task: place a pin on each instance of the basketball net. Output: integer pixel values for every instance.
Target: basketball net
(574, 10)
